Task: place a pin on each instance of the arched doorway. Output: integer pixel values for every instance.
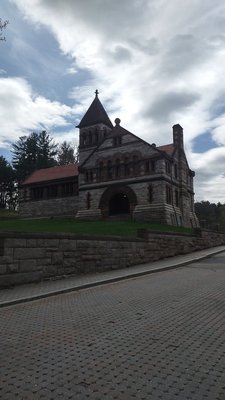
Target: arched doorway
(119, 204)
(118, 200)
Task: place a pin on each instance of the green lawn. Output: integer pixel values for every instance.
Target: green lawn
(69, 225)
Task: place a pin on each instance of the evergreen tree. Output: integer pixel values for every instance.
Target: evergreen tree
(211, 215)
(47, 151)
(33, 152)
(66, 154)
(7, 184)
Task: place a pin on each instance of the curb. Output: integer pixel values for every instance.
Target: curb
(107, 280)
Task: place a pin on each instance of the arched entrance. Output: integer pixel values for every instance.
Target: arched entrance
(118, 200)
(119, 204)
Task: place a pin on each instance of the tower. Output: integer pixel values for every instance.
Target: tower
(94, 127)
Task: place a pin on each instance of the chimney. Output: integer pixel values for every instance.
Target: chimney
(178, 136)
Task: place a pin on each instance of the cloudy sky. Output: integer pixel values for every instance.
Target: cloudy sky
(155, 63)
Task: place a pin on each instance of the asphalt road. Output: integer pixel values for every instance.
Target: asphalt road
(160, 336)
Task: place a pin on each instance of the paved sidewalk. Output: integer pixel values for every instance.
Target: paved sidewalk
(34, 291)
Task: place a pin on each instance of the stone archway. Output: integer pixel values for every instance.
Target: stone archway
(118, 200)
(119, 204)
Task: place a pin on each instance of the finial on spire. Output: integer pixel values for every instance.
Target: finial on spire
(96, 93)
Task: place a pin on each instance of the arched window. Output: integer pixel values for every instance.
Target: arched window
(126, 166)
(150, 193)
(109, 169)
(135, 164)
(83, 139)
(176, 198)
(168, 194)
(168, 167)
(117, 140)
(100, 170)
(88, 199)
(89, 176)
(118, 168)
(175, 171)
(153, 165)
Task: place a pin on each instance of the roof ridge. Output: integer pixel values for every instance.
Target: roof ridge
(52, 173)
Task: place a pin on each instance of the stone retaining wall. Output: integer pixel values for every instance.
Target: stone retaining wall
(34, 257)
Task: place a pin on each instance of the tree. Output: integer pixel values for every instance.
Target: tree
(47, 151)
(33, 152)
(67, 154)
(211, 215)
(7, 184)
(221, 216)
(3, 25)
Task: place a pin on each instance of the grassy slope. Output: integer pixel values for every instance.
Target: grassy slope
(7, 213)
(69, 225)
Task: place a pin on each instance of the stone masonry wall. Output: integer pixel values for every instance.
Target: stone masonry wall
(51, 207)
(34, 257)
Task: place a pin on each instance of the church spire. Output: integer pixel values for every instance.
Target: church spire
(96, 114)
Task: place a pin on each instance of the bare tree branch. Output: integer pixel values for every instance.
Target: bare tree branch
(3, 25)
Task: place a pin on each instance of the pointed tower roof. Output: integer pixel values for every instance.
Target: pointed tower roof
(95, 114)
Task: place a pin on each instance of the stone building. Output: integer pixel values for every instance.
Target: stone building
(123, 176)
(50, 192)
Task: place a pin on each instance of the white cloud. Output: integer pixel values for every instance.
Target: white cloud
(211, 189)
(155, 63)
(139, 51)
(21, 110)
(210, 180)
(70, 136)
(218, 133)
(71, 71)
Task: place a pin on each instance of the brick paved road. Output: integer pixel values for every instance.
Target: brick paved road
(160, 336)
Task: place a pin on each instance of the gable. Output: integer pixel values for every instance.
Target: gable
(121, 142)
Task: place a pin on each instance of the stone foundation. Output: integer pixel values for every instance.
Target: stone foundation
(48, 208)
(89, 215)
(164, 214)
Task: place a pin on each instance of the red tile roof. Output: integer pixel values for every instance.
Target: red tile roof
(168, 148)
(53, 173)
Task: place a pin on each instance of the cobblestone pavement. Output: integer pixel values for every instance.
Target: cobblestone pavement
(159, 336)
(31, 291)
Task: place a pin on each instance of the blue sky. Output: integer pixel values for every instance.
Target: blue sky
(155, 63)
